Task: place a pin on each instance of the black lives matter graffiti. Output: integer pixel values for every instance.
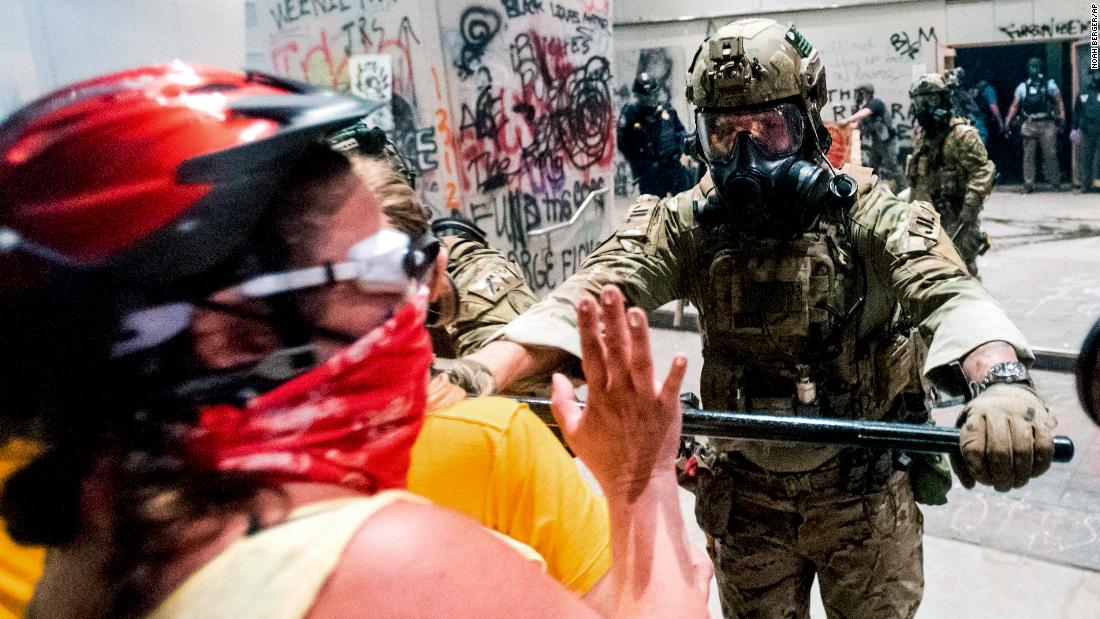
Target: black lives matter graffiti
(910, 45)
(534, 124)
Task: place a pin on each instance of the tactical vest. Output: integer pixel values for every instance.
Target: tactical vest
(780, 336)
(1089, 111)
(1037, 102)
(932, 181)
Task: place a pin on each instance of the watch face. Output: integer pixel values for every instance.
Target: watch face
(1008, 371)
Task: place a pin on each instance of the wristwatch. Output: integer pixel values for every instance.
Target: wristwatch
(1005, 372)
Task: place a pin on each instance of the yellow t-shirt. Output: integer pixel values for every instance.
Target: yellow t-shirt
(491, 459)
(20, 566)
(495, 461)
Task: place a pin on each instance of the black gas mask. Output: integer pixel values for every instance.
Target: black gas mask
(764, 188)
(933, 111)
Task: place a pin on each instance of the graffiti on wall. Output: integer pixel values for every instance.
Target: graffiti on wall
(1047, 30)
(889, 62)
(375, 49)
(533, 124)
(666, 66)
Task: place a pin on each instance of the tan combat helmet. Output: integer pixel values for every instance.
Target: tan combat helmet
(754, 61)
(928, 84)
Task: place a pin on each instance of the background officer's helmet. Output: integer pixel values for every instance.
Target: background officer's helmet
(928, 84)
(931, 99)
(754, 61)
(644, 84)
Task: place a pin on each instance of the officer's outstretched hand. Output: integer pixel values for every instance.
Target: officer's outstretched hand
(628, 433)
(1006, 438)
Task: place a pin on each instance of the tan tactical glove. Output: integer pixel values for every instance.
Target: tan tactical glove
(472, 377)
(1005, 439)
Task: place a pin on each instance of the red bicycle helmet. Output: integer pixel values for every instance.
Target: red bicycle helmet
(158, 173)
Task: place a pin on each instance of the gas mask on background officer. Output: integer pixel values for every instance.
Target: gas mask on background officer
(759, 131)
(931, 103)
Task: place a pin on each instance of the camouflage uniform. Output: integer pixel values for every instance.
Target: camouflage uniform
(952, 171)
(949, 167)
(490, 292)
(840, 300)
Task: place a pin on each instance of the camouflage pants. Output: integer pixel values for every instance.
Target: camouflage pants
(865, 548)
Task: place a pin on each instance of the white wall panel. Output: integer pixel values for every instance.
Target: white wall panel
(18, 78)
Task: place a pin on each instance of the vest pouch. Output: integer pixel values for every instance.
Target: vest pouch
(890, 364)
(930, 478)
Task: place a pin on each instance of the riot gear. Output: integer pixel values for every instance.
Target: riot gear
(644, 85)
(931, 101)
(757, 87)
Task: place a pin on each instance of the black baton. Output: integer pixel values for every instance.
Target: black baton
(846, 432)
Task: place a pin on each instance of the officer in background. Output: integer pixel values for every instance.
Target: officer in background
(1086, 134)
(985, 95)
(949, 167)
(1039, 102)
(816, 293)
(962, 101)
(651, 139)
(878, 139)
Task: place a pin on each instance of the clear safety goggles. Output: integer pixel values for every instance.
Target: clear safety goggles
(387, 262)
(776, 131)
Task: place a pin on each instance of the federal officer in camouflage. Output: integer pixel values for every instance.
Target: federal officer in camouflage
(949, 167)
(484, 290)
(812, 301)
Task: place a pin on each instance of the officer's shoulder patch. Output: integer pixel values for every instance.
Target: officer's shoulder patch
(924, 221)
(492, 285)
(639, 217)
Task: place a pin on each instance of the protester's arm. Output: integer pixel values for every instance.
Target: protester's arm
(990, 96)
(863, 112)
(627, 435)
(649, 549)
(1011, 113)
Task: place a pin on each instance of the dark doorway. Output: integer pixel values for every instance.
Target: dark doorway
(1004, 67)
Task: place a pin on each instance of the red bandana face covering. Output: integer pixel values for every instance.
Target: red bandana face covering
(351, 421)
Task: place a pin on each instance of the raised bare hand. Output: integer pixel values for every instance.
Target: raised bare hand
(629, 429)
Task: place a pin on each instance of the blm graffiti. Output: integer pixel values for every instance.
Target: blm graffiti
(887, 59)
(666, 66)
(532, 101)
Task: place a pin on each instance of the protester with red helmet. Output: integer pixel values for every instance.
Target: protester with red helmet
(273, 489)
